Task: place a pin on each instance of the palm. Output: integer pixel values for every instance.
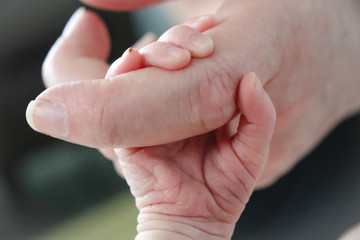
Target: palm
(193, 178)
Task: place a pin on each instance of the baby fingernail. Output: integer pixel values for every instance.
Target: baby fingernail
(258, 85)
(175, 51)
(47, 118)
(200, 40)
(202, 23)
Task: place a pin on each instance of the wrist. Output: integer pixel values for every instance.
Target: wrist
(164, 227)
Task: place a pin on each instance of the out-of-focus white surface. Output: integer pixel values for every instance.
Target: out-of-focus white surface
(352, 234)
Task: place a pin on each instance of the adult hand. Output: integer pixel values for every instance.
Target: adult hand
(299, 48)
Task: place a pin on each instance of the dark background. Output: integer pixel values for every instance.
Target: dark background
(45, 181)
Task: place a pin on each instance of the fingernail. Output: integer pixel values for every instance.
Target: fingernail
(196, 22)
(73, 21)
(200, 40)
(257, 84)
(47, 118)
(175, 51)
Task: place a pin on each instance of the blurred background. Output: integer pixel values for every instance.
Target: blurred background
(50, 189)
(44, 183)
(54, 190)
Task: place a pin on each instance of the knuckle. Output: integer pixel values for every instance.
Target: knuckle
(108, 134)
(213, 101)
(103, 121)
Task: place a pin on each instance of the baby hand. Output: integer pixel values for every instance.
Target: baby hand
(172, 51)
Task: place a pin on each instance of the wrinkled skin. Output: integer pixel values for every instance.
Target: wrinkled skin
(197, 188)
(324, 51)
(305, 52)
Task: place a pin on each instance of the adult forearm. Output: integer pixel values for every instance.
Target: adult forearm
(347, 48)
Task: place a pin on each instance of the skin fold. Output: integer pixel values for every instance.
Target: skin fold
(182, 191)
(305, 52)
(197, 188)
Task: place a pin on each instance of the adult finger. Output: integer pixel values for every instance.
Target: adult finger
(137, 108)
(120, 4)
(81, 51)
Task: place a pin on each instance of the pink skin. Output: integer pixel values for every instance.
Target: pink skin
(147, 50)
(131, 60)
(184, 192)
(71, 49)
(145, 53)
(305, 52)
(75, 44)
(154, 52)
(197, 188)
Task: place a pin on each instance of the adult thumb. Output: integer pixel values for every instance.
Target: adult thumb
(142, 108)
(153, 106)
